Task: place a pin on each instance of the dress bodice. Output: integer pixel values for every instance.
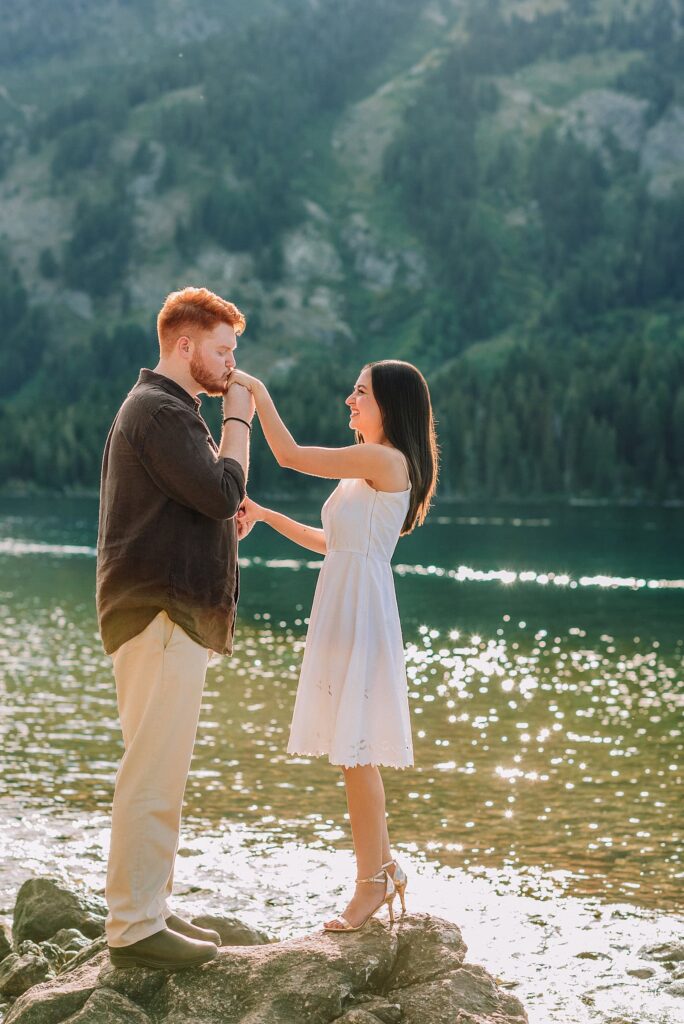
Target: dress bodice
(358, 519)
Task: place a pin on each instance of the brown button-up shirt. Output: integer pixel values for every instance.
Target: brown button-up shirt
(167, 539)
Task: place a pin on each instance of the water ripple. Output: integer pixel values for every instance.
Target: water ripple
(16, 547)
(467, 574)
(463, 574)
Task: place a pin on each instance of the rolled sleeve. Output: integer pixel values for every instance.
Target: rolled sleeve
(179, 454)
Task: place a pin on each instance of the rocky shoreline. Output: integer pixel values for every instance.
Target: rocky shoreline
(54, 968)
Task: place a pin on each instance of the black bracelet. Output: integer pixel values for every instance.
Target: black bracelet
(248, 425)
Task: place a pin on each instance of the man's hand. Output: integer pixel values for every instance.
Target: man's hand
(238, 401)
(248, 514)
(244, 526)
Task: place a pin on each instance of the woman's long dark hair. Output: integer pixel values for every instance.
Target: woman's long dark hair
(402, 393)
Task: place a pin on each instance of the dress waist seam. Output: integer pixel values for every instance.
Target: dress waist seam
(361, 554)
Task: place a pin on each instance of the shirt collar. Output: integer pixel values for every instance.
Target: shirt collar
(170, 386)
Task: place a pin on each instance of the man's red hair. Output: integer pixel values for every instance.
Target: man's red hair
(198, 309)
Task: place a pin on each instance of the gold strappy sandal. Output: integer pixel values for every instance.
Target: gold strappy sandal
(400, 881)
(388, 898)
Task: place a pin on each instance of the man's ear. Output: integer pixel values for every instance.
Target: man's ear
(184, 346)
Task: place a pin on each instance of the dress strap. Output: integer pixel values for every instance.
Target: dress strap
(406, 467)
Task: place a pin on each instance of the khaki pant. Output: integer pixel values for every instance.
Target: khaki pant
(159, 681)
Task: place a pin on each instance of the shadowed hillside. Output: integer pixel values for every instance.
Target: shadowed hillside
(492, 190)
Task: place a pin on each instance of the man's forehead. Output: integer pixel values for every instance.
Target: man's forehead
(224, 334)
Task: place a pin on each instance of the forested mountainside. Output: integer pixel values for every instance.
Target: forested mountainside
(492, 190)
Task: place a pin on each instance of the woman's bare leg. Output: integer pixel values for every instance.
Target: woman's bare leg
(366, 804)
(386, 852)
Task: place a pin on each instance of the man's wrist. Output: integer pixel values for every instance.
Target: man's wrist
(240, 395)
(238, 419)
(238, 409)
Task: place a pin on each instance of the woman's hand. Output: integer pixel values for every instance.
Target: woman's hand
(240, 377)
(249, 513)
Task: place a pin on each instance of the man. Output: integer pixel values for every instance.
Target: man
(167, 590)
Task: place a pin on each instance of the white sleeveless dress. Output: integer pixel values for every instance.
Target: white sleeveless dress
(352, 698)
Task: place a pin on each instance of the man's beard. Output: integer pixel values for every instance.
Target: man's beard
(214, 386)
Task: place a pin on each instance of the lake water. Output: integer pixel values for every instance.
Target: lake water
(545, 653)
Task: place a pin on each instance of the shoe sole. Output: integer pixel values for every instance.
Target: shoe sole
(141, 961)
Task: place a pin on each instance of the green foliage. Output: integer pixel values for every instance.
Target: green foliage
(603, 418)
(329, 375)
(47, 264)
(434, 167)
(310, 61)
(499, 43)
(246, 218)
(78, 147)
(168, 175)
(24, 330)
(59, 440)
(96, 256)
(104, 107)
(592, 234)
(656, 76)
(567, 182)
(550, 323)
(143, 158)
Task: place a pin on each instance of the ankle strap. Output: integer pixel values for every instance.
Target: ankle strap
(380, 877)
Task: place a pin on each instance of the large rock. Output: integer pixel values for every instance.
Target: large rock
(19, 973)
(309, 255)
(55, 955)
(45, 906)
(413, 973)
(232, 930)
(379, 266)
(600, 113)
(86, 954)
(70, 939)
(107, 1007)
(664, 952)
(5, 941)
(469, 991)
(57, 1000)
(662, 155)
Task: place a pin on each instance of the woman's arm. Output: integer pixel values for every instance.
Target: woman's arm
(358, 461)
(306, 536)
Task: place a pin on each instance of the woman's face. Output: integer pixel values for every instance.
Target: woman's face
(364, 411)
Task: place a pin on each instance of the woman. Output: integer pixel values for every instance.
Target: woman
(352, 701)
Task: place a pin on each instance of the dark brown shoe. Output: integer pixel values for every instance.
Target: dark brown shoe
(192, 931)
(166, 950)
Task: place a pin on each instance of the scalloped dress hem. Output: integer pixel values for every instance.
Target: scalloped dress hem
(356, 764)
